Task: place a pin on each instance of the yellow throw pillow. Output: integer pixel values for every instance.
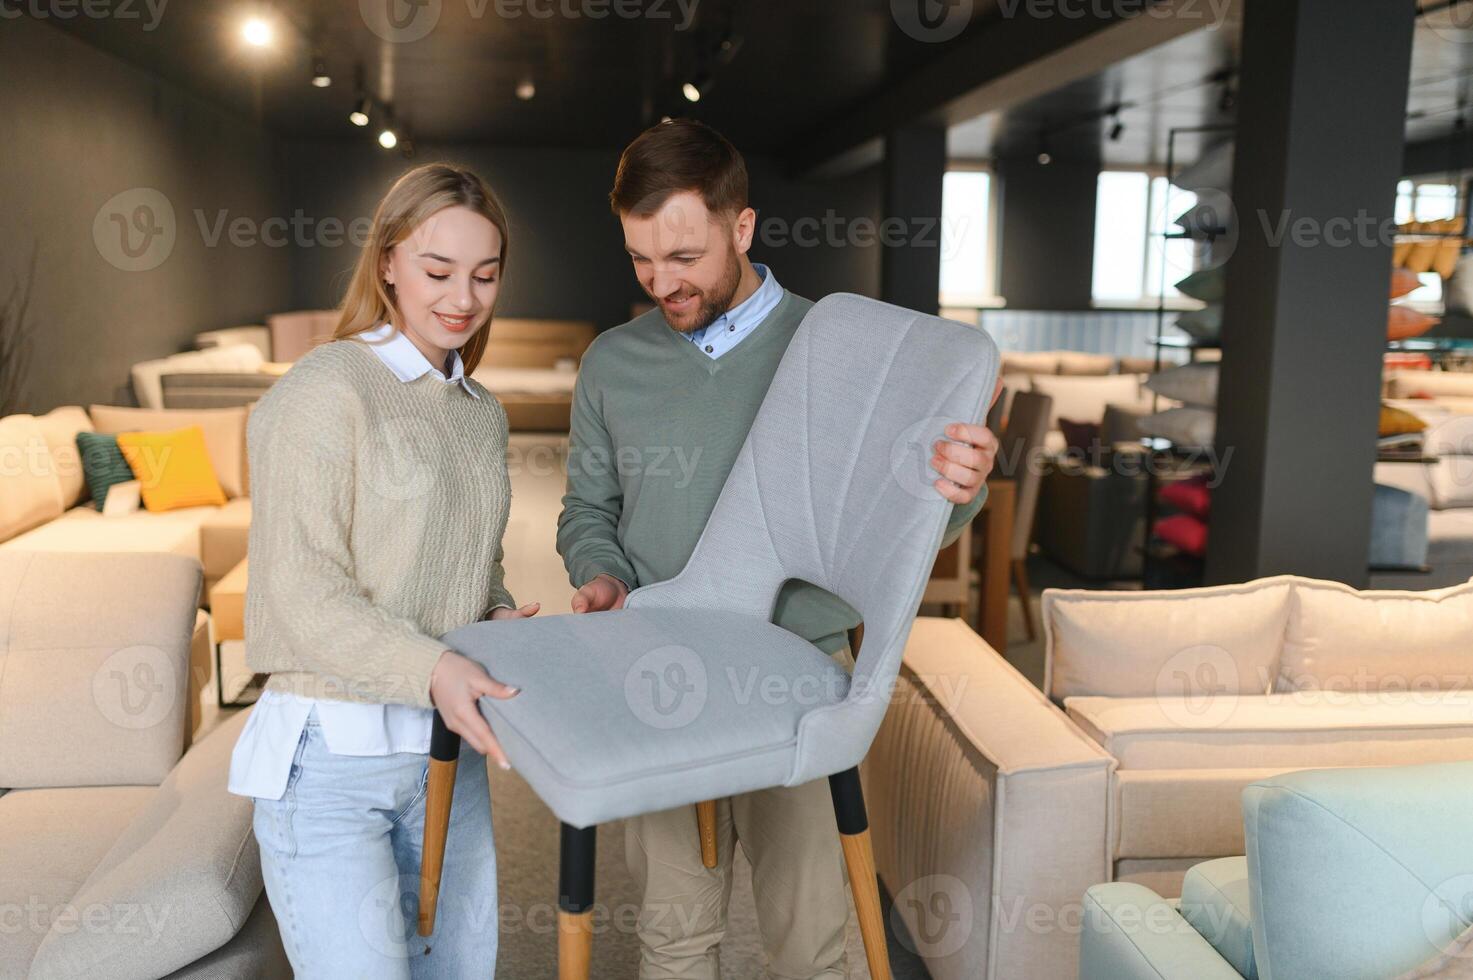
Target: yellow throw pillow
(1398, 422)
(173, 468)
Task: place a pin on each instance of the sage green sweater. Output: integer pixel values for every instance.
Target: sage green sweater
(656, 427)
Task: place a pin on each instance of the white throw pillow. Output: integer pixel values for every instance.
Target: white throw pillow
(1187, 426)
(1190, 384)
(1451, 479)
(1187, 643)
(1213, 170)
(1450, 435)
(1340, 639)
(1203, 324)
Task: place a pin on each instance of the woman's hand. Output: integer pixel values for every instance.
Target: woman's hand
(507, 612)
(456, 683)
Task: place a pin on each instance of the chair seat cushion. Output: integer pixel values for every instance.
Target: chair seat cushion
(1298, 730)
(638, 710)
(1214, 899)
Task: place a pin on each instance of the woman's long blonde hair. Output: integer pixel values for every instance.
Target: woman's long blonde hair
(414, 198)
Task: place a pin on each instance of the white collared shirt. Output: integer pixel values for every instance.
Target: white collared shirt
(262, 758)
(728, 329)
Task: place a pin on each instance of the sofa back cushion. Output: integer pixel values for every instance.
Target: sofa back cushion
(1222, 639)
(60, 427)
(30, 491)
(1083, 397)
(224, 430)
(1343, 640)
(94, 656)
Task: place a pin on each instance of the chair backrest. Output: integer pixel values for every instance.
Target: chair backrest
(1018, 450)
(834, 486)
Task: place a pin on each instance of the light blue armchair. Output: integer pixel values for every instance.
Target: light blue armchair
(690, 693)
(1351, 874)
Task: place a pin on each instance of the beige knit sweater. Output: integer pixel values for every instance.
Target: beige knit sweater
(377, 510)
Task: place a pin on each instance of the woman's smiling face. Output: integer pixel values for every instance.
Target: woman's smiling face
(445, 275)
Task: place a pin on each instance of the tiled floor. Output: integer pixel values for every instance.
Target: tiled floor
(527, 833)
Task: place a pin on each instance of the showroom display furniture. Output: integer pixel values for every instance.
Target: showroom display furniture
(1169, 692)
(987, 807)
(1197, 692)
(46, 507)
(832, 486)
(1020, 447)
(148, 376)
(1364, 872)
(1445, 481)
(227, 632)
(102, 811)
(214, 390)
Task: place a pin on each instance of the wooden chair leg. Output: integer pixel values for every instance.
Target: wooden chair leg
(859, 856)
(1020, 577)
(439, 795)
(575, 902)
(706, 828)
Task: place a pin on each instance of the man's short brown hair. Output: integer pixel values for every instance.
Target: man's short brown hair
(674, 156)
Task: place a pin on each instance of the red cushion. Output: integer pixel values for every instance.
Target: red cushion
(1191, 496)
(1184, 532)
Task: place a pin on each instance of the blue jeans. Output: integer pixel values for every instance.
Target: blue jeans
(340, 852)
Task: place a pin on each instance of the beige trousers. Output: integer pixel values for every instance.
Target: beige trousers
(799, 882)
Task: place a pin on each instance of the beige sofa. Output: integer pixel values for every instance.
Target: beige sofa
(45, 505)
(990, 805)
(124, 856)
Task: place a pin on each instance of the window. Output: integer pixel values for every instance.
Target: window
(968, 248)
(1426, 201)
(1133, 212)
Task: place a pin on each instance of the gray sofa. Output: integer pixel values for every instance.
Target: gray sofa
(123, 855)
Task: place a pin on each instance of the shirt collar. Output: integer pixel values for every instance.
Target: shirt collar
(407, 362)
(750, 311)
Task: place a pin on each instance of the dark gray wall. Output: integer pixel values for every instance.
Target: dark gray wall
(567, 256)
(1046, 239)
(79, 127)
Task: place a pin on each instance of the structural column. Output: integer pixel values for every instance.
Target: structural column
(910, 262)
(1321, 119)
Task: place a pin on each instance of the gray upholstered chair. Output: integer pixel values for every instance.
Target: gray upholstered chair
(1027, 426)
(690, 693)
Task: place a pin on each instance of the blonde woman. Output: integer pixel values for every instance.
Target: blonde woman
(379, 498)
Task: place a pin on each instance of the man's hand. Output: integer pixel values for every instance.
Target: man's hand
(601, 593)
(965, 463)
(456, 684)
(507, 612)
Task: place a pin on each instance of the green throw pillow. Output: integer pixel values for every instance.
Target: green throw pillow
(102, 464)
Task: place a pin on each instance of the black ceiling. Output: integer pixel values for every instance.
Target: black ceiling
(1179, 85)
(599, 79)
(787, 67)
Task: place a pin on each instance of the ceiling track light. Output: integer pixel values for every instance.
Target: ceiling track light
(320, 76)
(1044, 156)
(257, 32)
(527, 89)
(362, 111)
(1117, 128)
(695, 89)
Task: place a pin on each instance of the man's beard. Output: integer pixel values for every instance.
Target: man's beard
(713, 303)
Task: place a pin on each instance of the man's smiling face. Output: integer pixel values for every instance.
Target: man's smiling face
(687, 258)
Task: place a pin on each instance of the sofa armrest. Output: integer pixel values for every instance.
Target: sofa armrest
(1131, 933)
(987, 806)
(189, 858)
